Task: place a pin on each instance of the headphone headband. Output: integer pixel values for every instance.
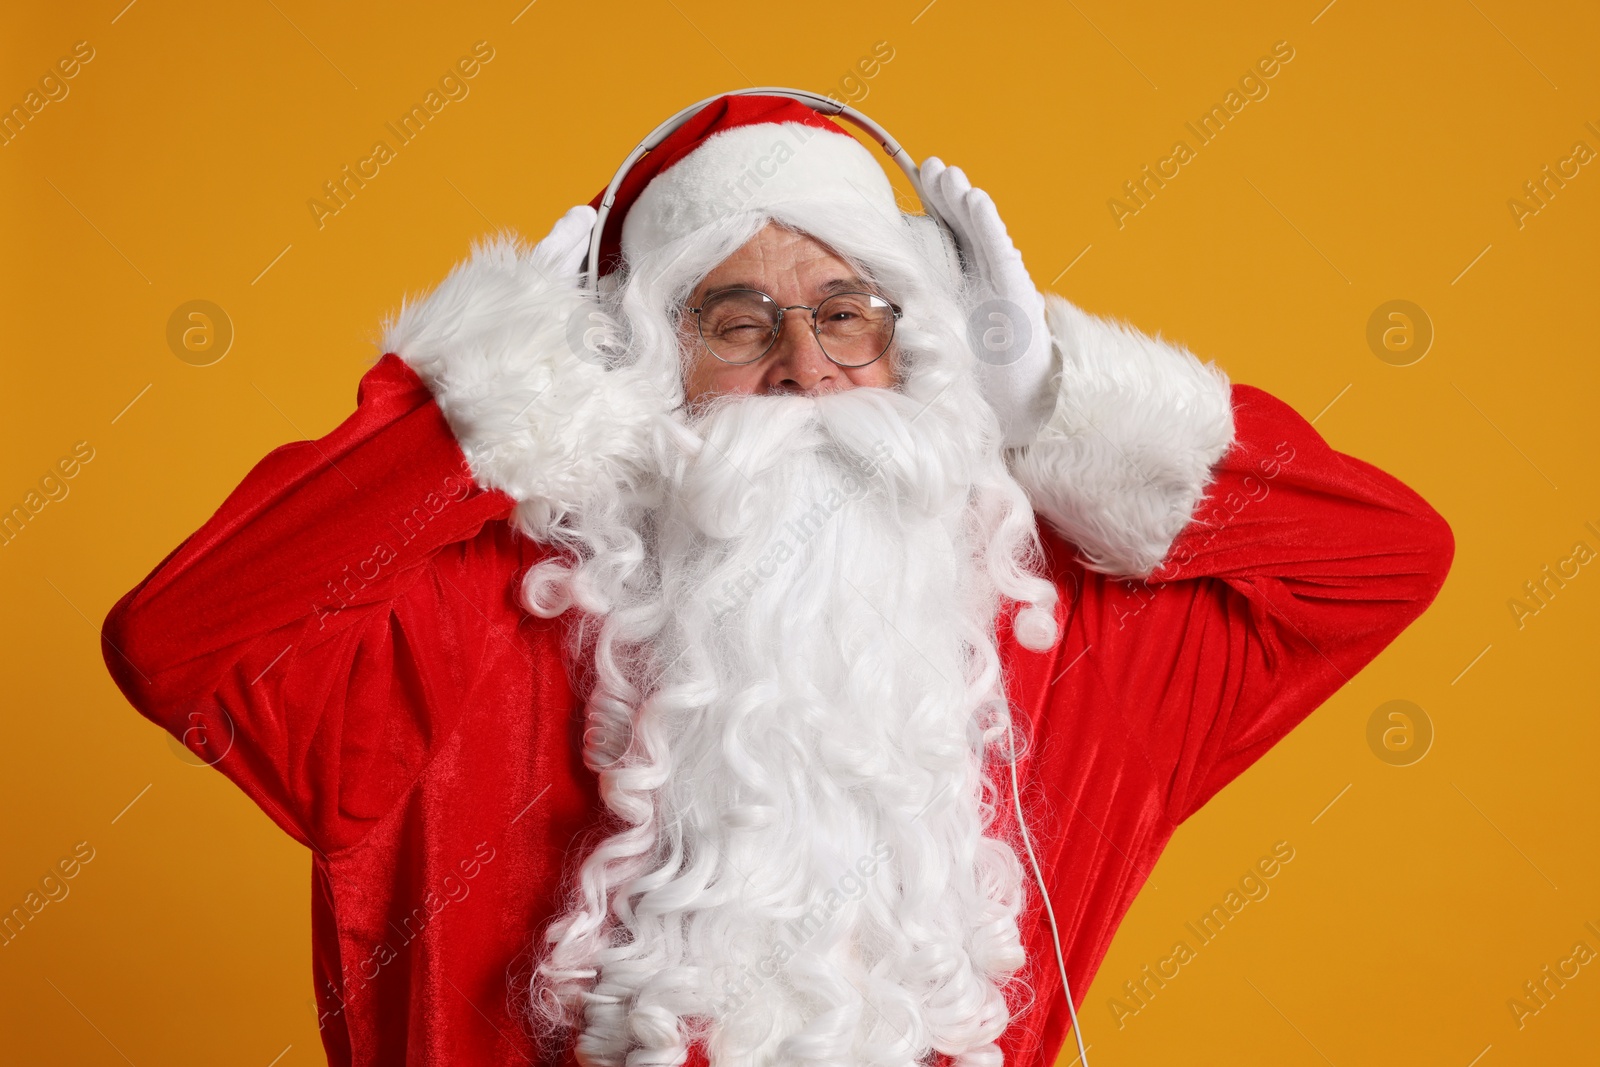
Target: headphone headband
(590, 277)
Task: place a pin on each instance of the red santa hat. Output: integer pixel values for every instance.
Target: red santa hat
(741, 153)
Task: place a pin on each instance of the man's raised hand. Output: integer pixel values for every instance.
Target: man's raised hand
(561, 252)
(1007, 322)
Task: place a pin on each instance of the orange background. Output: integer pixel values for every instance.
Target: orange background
(1379, 167)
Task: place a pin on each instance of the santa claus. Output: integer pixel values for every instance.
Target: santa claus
(677, 668)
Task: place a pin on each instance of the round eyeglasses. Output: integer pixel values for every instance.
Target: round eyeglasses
(739, 326)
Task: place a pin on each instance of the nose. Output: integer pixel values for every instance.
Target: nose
(797, 362)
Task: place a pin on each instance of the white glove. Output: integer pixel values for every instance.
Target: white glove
(591, 335)
(561, 253)
(1007, 324)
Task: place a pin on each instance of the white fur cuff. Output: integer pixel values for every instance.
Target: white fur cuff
(500, 343)
(1126, 456)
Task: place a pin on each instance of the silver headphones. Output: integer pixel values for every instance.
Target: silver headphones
(946, 239)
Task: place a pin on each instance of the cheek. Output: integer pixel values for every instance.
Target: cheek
(707, 376)
(879, 375)
(726, 379)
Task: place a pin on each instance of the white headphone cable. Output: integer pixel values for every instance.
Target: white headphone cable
(1044, 893)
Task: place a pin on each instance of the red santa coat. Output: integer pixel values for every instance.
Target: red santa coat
(343, 640)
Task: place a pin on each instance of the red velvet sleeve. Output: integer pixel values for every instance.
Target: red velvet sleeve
(1301, 564)
(316, 638)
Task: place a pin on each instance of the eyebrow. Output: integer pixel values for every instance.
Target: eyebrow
(836, 285)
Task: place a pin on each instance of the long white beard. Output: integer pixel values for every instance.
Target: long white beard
(793, 699)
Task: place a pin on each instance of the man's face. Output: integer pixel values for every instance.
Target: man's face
(792, 268)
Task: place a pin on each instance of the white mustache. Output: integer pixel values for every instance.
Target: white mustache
(738, 442)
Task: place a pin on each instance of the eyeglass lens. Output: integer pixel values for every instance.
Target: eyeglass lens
(741, 325)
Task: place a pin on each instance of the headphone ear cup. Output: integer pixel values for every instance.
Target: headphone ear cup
(938, 246)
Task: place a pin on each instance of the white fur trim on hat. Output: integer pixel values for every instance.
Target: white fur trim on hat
(755, 168)
(1127, 454)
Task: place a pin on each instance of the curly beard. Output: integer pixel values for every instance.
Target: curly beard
(795, 685)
